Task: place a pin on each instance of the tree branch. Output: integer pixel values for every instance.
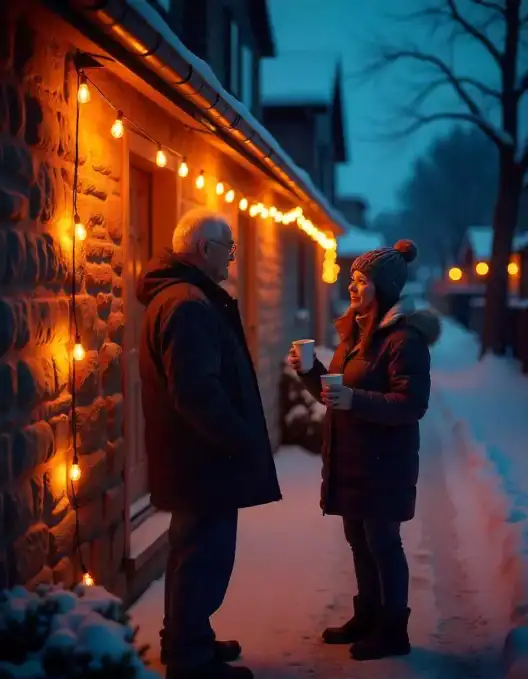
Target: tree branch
(421, 121)
(490, 5)
(523, 87)
(391, 56)
(475, 33)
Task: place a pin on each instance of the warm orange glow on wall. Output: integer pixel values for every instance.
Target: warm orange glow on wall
(455, 273)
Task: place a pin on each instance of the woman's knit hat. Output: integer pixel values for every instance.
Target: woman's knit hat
(387, 269)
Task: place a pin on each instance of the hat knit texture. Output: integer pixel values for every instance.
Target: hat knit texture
(387, 268)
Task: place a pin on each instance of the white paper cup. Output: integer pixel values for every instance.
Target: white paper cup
(332, 379)
(305, 352)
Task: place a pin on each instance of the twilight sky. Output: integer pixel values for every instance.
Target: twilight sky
(349, 28)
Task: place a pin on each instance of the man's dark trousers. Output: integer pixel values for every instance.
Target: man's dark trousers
(199, 567)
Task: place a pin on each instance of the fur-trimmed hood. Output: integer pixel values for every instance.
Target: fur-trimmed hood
(425, 321)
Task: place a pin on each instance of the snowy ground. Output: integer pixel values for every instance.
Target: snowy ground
(294, 576)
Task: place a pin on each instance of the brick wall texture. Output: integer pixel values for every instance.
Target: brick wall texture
(37, 119)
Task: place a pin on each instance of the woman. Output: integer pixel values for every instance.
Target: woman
(371, 442)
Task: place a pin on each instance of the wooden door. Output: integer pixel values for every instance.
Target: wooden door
(138, 253)
(247, 281)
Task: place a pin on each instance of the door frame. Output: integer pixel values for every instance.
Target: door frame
(136, 150)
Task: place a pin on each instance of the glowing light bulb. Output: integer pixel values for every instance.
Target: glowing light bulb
(272, 211)
(219, 189)
(161, 158)
(230, 196)
(254, 210)
(183, 170)
(264, 213)
(80, 231)
(455, 274)
(513, 269)
(200, 181)
(482, 268)
(83, 93)
(88, 580)
(78, 352)
(278, 216)
(75, 472)
(243, 204)
(118, 128)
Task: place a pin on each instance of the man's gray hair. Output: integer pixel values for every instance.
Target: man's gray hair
(194, 225)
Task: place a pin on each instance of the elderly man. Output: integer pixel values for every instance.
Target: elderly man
(207, 443)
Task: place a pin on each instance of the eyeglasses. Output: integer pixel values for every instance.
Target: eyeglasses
(232, 247)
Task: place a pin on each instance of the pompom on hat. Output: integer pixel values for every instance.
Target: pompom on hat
(387, 268)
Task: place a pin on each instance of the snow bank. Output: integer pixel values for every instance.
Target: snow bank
(484, 405)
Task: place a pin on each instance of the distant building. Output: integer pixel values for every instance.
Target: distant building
(302, 102)
(354, 210)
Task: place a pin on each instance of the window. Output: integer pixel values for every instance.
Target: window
(231, 53)
(247, 77)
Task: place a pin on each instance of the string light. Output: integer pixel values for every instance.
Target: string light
(183, 170)
(87, 579)
(78, 353)
(200, 181)
(254, 210)
(161, 158)
(243, 204)
(513, 269)
(118, 128)
(219, 188)
(80, 231)
(83, 92)
(75, 471)
(482, 269)
(230, 196)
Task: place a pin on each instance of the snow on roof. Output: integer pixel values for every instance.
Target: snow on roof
(151, 16)
(357, 241)
(298, 78)
(480, 239)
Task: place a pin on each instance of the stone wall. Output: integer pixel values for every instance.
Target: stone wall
(37, 114)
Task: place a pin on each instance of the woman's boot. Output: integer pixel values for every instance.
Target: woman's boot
(359, 626)
(389, 637)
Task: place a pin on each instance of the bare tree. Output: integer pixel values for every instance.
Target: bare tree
(509, 20)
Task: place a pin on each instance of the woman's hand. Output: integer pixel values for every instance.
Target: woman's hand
(337, 396)
(295, 362)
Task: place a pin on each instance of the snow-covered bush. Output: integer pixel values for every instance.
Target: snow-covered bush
(301, 416)
(53, 632)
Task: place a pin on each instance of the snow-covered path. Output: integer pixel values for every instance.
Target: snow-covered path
(294, 576)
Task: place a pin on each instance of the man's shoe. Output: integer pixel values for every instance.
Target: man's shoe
(211, 670)
(390, 638)
(358, 627)
(225, 651)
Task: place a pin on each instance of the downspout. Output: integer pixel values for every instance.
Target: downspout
(123, 24)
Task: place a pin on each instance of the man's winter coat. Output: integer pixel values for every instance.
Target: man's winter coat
(370, 452)
(207, 442)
